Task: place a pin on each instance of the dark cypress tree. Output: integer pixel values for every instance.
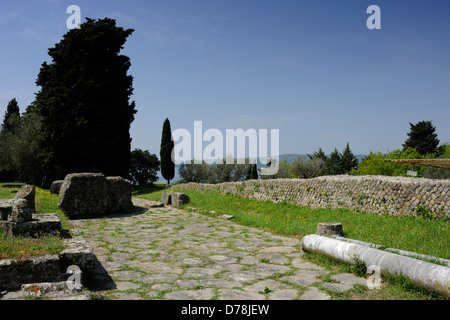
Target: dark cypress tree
(8, 142)
(167, 145)
(84, 102)
(422, 137)
(11, 118)
(348, 160)
(254, 172)
(333, 163)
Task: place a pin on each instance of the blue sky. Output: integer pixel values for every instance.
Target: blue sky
(311, 69)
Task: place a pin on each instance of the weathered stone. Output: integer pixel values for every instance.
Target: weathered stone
(166, 197)
(77, 252)
(234, 294)
(338, 287)
(315, 294)
(92, 194)
(174, 198)
(20, 211)
(329, 228)
(179, 199)
(28, 193)
(56, 186)
(5, 208)
(286, 294)
(49, 289)
(202, 294)
(15, 272)
(41, 224)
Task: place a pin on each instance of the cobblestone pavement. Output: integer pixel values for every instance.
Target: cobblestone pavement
(168, 253)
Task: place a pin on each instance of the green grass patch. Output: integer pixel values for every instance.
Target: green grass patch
(430, 237)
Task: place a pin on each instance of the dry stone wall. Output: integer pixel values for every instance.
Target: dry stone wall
(374, 194)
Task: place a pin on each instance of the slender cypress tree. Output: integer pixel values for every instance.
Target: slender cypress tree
(167, 145)
(348, 160)
(254, 172)
(11, 118)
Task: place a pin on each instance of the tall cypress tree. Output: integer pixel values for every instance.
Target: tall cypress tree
(254, 172)
(11, 118)
(84, 102)
(8, 142)
(348, 160)
(167, 145)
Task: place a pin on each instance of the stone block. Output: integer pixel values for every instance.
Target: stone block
(20, 211)
(174, 198)
(166, 197)
(5, 208)
(28, 193)
(179, 199)
(56, 186)
(329, 228)
(79, 253)
(93, 194)
(15, 272)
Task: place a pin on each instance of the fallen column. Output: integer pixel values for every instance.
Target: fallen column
(430, 276)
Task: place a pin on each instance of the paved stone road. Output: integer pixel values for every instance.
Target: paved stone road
(167, 253)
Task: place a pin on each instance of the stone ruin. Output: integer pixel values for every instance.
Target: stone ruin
(18, 216)
(92, 194)
(46, 273)
(174, 198)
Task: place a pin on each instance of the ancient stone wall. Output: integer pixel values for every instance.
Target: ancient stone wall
(375, 194)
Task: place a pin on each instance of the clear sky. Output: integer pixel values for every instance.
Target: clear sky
(310, 68)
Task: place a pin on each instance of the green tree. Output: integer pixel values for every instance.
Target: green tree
(11, 118)
(334, 163)
(144, 168)
(167, 145)
(318, 155)
(349, 161)
(8, 141)
(422, 137)
(192, 172)
(84, 102)
(19, 151)
(254, 172)
(305, 169)
(374, 163)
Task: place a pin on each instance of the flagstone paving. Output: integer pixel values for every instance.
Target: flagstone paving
(169, 253)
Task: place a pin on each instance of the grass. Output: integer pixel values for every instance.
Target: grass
(23, 247)
(430, 237)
